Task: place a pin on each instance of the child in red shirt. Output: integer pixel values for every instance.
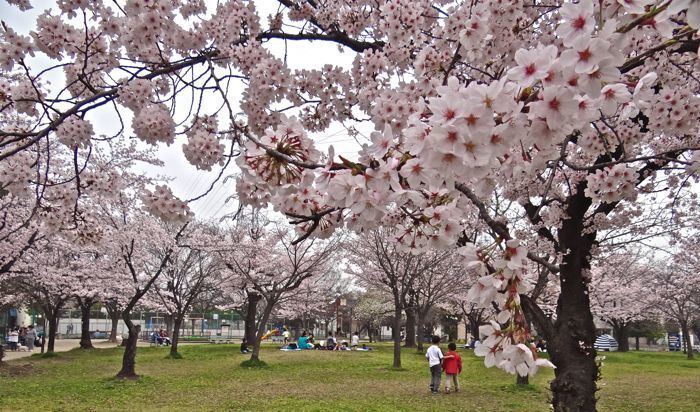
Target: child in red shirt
(452, 364)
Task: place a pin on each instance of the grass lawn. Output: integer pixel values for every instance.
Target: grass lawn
(210, 377)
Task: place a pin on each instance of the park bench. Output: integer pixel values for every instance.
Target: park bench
(152, 341)
(220, 339)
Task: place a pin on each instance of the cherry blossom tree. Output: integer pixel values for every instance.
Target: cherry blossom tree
(141, 269)
(619, 295)
(436, 288)
(465, 98)
(190, 272)
(138, 252)
(48, 274)
(373, 308)
(314, 301)
(114, 303)
(675, 288)
(89, 290)
(378, 261)
(273, 267)
(235, 291)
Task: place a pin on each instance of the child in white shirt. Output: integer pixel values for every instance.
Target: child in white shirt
(434, 355)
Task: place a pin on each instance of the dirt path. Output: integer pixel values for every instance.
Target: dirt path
(63, 345)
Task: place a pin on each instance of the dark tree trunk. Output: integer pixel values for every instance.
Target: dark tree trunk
(175, 336)
(410, 328)
(622, 333)
(255, 356)
(571, 342)
(474, 324)
(169, 324)
(686, 340)
(522, 380)
(85, 341)
(636, 343)
(113, 331)
(397, 335)
(114, 314)
(43, 337)
(420, 326)
(251, 311)
(52, 318)
(128, 370)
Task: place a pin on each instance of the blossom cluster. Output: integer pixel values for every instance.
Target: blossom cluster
(203, 149)
(25, 97)
(674, 111)
(136, 94)
(13, 48)
(508, 348)
(163, 204)
(74, 132)
(291, 141)
(88, 231)
(15, 174)
(154, 124)
(57, 208)
(55, 37)
(612, 184)
(104, 184)
(22, 4)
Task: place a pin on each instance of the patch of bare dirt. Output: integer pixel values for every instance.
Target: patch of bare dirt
(16, 369)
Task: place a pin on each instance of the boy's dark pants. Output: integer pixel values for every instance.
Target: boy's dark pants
(436, 372)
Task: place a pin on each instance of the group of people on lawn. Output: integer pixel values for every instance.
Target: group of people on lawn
(307, 341)
(450, 363)
(332, 342)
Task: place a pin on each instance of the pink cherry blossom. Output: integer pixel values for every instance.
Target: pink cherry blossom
(557, 105)
(579, 20)
(532, 64)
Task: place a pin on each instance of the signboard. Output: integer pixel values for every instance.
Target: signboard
(674, 342)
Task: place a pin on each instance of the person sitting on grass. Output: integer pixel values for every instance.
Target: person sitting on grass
(303, 342)
(244, 345)
(330, 342)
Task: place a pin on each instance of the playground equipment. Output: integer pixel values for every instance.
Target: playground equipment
(273, 332)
